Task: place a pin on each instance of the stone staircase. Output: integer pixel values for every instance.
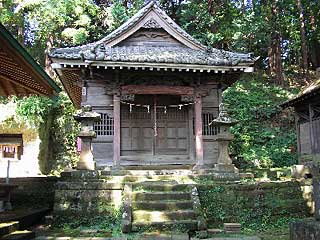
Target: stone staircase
(10, 231)
(162, 206)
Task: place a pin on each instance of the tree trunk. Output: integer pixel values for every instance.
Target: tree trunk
(274, 50)
(49, 46)
(275, 61)
(21, 35)
(314, 55)
(304, 48)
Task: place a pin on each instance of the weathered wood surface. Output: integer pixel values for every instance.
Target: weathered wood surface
(139, 139)
(198, 131)
(154, 38)
(154, 90)
(117, 136)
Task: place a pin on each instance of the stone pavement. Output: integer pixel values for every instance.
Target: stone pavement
(151, 237)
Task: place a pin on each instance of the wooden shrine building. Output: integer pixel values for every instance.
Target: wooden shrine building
(307, 109)
(20, 75)
(156, 87)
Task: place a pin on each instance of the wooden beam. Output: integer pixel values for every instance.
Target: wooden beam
(19, 84)
(24, 65)
(11, 89)
(312, 140)
(3, 89)
(158, 89)
(297, 124)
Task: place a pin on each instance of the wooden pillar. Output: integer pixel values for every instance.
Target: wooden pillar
(311, 130)
(116, 137)
(16, 155)
(198, 131)
(297, 125)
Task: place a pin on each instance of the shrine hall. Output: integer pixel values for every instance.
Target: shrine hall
(156, 88)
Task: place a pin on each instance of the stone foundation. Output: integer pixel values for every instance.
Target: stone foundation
(93, 193)
(33, 191)
(306, 229)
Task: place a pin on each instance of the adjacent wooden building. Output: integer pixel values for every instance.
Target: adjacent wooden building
(307, 109)
(156, 87)
(20, 75)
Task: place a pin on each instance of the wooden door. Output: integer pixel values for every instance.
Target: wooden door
(136, 131)
(142, 143)
(172, 132)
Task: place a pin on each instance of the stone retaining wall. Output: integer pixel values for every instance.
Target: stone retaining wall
(33, 191)
(244, 202)
(256, 202)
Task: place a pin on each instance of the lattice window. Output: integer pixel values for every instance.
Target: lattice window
(207, 128)
(105, 126)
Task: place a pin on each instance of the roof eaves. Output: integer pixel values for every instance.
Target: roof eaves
(16, 45)
(301, 97)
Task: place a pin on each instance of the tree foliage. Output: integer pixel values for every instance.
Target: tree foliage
(265, 135)
(57, 130)
(284, 33)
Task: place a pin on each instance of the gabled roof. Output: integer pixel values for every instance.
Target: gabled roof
(19, 72)
(149, 41)
(151, 16)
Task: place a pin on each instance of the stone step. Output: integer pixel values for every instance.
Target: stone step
(177, 226)
(8, 227)
(159, 167)
(20, 235)
(146, 172)
(161, 187)
(162, 205)
(162, 216)
(153, 196)
(142, 178)
(165, 236)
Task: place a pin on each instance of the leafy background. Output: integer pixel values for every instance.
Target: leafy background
(284, 34)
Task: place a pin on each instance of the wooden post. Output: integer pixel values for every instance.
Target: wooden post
(311, 129)
(297, 125)
(198, 131)
(116, 137)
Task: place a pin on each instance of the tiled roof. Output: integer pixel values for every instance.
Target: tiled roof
(149, 54)
(98, 51)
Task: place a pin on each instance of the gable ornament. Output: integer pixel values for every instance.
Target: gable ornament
(151, 23)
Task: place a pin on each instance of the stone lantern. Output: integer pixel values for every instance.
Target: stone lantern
(224, 121)
(87, 118)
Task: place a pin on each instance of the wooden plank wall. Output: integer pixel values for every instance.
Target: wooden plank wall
(211, 105)
(101, 103)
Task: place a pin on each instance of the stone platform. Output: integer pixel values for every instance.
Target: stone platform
(154, 198)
